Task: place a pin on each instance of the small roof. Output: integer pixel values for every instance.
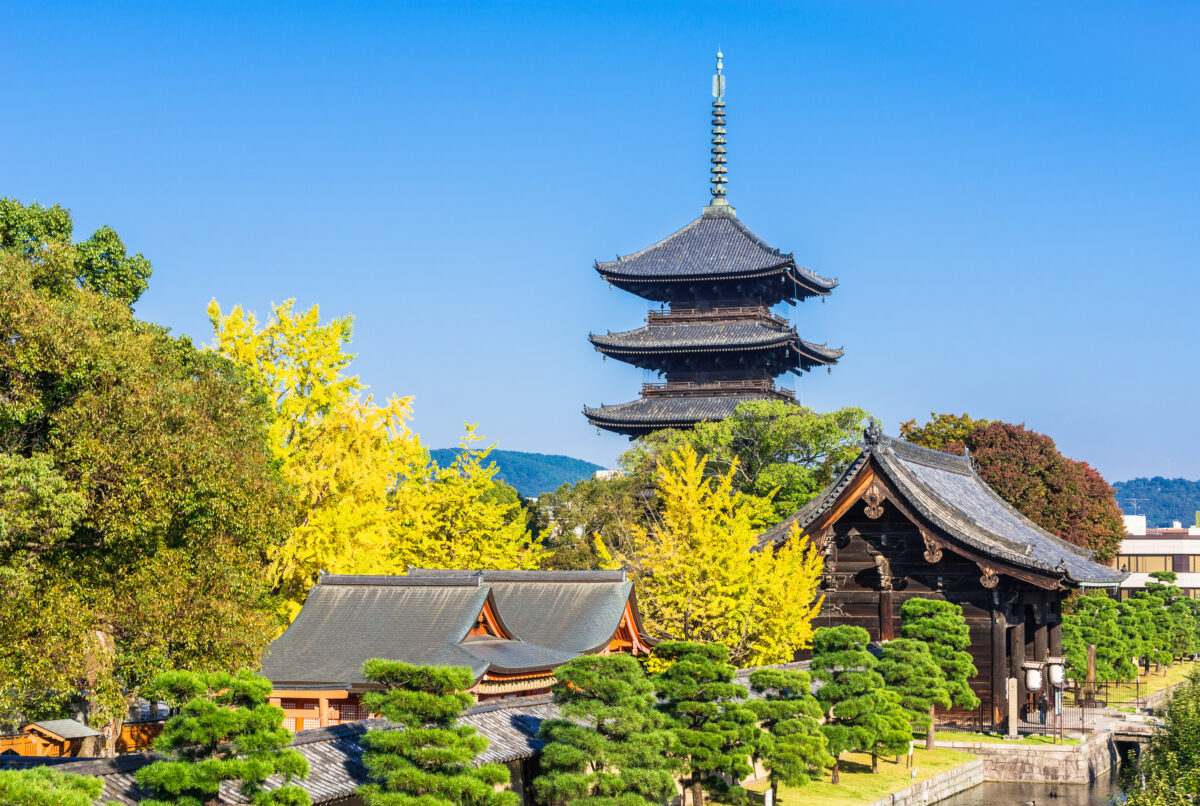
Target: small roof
(697, 337)
(946, 490)
(64, 729)
(425, 617)
(714, 246)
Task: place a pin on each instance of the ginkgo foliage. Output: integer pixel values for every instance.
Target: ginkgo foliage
(699, 577)
(367, 498)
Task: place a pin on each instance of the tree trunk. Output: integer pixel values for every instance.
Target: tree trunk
(836, 778)
(697, 791)
(875, 763)
(930, 739)
(774, 794)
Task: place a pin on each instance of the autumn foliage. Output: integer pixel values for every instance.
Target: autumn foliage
(1064, 496)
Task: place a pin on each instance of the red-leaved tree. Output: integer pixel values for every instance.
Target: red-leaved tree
(1064, 496)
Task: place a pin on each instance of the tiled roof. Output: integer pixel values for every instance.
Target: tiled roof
(712, 246)
(666, 412)
(66, 728)
(948, 492)
(334, 754)
(697, 336)
(426, 615)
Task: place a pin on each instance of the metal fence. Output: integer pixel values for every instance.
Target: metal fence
(1073, 712)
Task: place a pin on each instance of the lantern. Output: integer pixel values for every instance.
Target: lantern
(1033, 675)
(1055, 671)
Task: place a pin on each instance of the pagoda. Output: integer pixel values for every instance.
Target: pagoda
(714, 341)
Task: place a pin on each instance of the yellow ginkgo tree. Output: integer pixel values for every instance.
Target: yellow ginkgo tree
(699, 577)
(367, 498)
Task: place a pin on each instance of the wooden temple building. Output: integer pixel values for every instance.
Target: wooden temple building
(715, 343)
(904, 521)
(512, 628)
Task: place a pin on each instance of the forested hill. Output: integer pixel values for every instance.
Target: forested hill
(531, 473)
(1160, 500)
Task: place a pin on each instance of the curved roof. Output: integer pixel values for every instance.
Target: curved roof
(947, 491)
(712, 246)
(697, 336)
(668, 412)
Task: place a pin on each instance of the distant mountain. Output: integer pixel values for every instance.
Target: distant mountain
(531, 473)
(1160, 500)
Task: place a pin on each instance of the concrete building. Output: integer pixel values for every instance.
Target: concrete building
(1170, 549)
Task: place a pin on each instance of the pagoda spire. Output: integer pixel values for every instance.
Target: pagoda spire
(719, 205)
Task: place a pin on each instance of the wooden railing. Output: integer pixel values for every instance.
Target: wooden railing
(685, 388)
(731, 314)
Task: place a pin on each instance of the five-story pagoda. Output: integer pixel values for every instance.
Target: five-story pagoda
(717, 343)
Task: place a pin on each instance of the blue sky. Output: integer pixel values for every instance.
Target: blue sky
(1006, 191)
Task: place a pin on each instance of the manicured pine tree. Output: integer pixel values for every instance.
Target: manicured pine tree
(908, 668)
(715, 733)
(612, 747)
(941, 625)
(849, 692)
(1096, 620)
(893, 730)
(793, 748)
(225, 731)
(46, 786)
(1139, 628)
(1159, 643)
(430, 760)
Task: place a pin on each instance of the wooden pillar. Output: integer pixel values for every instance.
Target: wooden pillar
(1016, 655)
(323, 711)
(1056, 629)
(999, 668)
(1041, 641)
(887, 628)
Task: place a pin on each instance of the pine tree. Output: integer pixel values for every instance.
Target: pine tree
(612, 747)
(714, 732)
(860, 714)
(941, 625)
(46, 786)
(431, 760)
(225, 731)
(1139, 629)
(793, 748)
(1095, 620)
(908, 668)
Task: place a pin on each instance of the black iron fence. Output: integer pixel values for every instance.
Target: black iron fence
(1070, 710)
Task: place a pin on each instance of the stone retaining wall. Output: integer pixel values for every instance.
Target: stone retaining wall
(1068, 764)
(939, 787)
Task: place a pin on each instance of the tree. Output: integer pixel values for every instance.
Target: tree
(225, 731)
(908, 668)
(773, 450)
(571, 519)
(42, 235)
(941, 626)
(1168, 771)
(612, 746)
(368, 499)
(860, 713)
(1095, 621)
(1066, 497)
(432, 760)
(793, 748)
(699, 576)
(138, 498)
(1141, 630)
(714, 732)
(46, 786)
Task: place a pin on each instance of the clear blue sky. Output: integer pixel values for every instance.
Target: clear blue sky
(1008, 192)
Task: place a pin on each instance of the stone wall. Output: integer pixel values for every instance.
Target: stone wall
(1068, 764)
(939, 787)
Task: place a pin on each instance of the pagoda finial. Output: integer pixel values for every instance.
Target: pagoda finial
(719, 204)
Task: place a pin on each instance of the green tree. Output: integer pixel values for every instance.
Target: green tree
(1096, 620)
(612, 746)
(1140, 629)
(715, 733)
(908, 668)
(775, 450)
(940, 625)
(46, 786)
(431, 761)
(793, 748)
(1168, 771)
(225, 731)
(138, 498)
(570, 520)
(860, 713)
(101, 263)
(1066, 497)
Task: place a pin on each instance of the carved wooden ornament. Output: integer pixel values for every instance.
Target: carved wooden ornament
(933, 548)
(990, 578)
(874, 500)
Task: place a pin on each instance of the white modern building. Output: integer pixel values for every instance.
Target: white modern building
(1147, 550)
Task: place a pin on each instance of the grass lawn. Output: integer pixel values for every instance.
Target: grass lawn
(955, 736)
(860, 785)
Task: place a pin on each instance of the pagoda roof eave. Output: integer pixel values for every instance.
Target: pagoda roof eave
(698, 337)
